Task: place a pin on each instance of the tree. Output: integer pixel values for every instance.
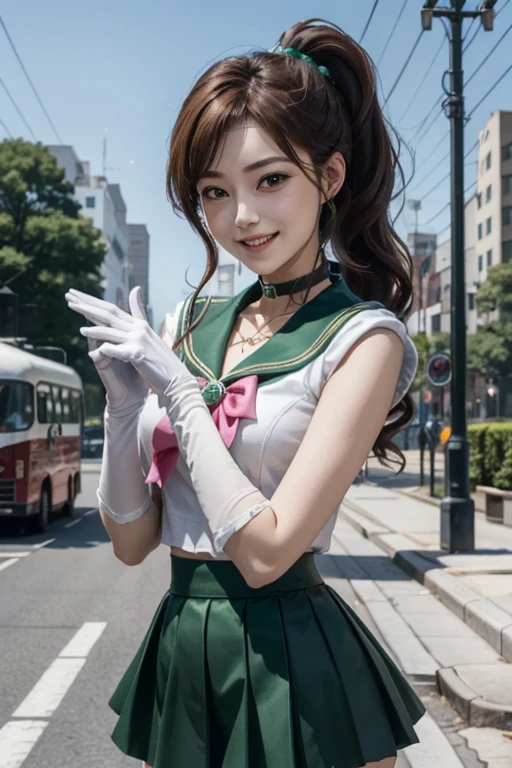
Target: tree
(46, 247)
(490, 348)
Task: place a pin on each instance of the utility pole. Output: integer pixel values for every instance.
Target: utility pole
(415, 205)
(457, 507)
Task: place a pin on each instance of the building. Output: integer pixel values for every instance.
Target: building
(494, 196)
(138, 262)
(422, 246)
(103, 203)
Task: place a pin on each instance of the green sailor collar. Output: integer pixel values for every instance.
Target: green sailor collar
(302, 338)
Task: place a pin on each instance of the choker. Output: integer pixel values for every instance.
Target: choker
(273, 290)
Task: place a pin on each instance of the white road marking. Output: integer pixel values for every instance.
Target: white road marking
(81, 644)
(42, 544)
(73, 522)
(18, 736)
(8, 563)
(17, 739)
(15, 554)
(90, 511)
(52, 686)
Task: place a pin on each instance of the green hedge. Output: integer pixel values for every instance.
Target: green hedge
(490, 455)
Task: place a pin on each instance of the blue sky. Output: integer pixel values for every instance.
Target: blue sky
(126, 67)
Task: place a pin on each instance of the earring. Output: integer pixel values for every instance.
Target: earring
(332, 208)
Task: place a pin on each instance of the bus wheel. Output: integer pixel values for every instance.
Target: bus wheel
(43, 516)
(70, 503)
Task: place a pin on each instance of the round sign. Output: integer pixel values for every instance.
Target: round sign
(491, 391)
(439, 370)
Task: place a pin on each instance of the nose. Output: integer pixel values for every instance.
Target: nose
(245, 216)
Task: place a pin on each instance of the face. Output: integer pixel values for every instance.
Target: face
(261, 207)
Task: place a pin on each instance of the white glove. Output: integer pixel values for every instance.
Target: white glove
(122, 491)
(220, 485)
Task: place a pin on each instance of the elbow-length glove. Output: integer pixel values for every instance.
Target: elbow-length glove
(122, 491)
(228, 499)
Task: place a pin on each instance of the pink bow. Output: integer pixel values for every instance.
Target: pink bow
(239, 402)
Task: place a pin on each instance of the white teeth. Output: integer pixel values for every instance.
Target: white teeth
(260, 241)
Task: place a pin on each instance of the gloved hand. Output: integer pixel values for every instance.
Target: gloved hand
(228, 499)
(124, 387)
(122, 490)
(129, 339)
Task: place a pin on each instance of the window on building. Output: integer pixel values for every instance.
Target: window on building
(488, 161)
(435, 323)
(488, 225)
(480, 263)
(479, 199)
(506, 215)
(90, 202)
(506, 152)
(506, 251)
(479, 231)
(471, 301)
(488, 193)
(506, 182)
(489, 258)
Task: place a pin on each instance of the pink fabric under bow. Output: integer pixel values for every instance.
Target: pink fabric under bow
(239, 402)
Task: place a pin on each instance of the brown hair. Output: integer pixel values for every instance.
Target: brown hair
(299, 107)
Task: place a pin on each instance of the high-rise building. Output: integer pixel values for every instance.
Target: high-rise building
(494, 195)
(103, 203)
(138, 261)
(422, 247)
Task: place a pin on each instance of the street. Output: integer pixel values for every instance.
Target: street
(72, 617)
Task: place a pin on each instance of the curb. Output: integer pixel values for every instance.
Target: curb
(476, 710)
(484, 617)
(480, 614)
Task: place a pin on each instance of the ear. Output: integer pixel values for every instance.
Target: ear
(333, 175)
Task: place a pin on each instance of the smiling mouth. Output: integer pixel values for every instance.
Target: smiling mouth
(258, 241)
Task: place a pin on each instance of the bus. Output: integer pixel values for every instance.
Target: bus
(41, 417)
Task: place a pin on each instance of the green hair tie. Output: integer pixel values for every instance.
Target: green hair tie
(299, 55)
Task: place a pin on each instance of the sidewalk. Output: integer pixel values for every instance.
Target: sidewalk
(468, 648)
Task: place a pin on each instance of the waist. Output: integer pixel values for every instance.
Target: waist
(221, 578)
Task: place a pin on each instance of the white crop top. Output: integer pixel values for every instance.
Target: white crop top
(264, 447)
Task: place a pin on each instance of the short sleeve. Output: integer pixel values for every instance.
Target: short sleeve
(358, 326)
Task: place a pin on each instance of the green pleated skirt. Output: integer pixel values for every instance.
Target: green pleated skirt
(285, 676)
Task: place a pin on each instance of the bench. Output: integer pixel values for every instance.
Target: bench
(498, 504)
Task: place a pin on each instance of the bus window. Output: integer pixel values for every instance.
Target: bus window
(44, 404)
(57, 404)
(76, 407)
(16, 408)
(66, 405)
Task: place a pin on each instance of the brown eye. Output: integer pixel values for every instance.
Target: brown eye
(206, 193)
(274, 179)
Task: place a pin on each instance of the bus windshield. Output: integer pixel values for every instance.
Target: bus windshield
(16, 406)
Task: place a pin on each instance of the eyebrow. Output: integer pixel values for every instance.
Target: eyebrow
(251, 167)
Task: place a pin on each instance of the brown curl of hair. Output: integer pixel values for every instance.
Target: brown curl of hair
(301, 108)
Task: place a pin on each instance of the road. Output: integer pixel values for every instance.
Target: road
(71, 618)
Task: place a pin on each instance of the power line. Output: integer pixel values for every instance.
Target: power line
(29, 80)
(423, 80)
(403, 68)
(369, 20)
(488, 56)
(443, 209)
(443, 137)
(392, 31)
(442, 160)
(6, 129)
(17, 108)
(490, 90)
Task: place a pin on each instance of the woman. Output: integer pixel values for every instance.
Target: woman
(252, 436)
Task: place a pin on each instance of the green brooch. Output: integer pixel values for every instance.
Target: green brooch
(213, 392)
